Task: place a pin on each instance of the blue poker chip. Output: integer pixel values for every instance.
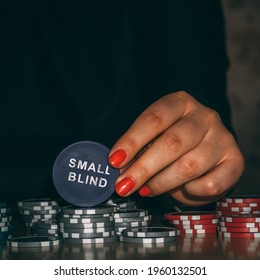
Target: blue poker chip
(82, 175)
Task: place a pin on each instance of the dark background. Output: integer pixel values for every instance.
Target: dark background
(243, 43)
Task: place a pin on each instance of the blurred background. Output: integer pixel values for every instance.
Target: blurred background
(243, 43)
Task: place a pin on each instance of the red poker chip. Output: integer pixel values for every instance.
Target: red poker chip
(238, 209)
(224, 213)
(197, 231)
(247, 218)
(196, 226)
(239, 235)
(230, 204)
(241, 199)
(193, 222)
(235, 229)
(240, 225)
(191, 215)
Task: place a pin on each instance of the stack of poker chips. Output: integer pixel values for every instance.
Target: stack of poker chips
(239, 216)
(148, 235)
(131, 218)
(36, 211)
(193, 223)
(6, 226)
(87, 225)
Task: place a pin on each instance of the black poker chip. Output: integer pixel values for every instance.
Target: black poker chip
(82, 175)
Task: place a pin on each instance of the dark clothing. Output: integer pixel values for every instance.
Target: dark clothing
(84, 70)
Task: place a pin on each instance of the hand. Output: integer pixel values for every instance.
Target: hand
(178, 146)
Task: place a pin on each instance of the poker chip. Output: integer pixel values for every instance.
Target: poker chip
(91, 240)
(242, 225)
(5, 210)
(239, 235)
(69, 216)
(146, 240)
(34, 241)
(87, 230)
(100, 209)
(137, 219)
(87, 225)
(193, 222)
(191, 215)
(82, 175)
(150, 232)
(86, 220)
(122, 202)
(237, 229)
(239, 209)
(198, 231)
(240, 218)
(133, 224)
(241, 199)
(37, 202)
(230, 204)
(88, 235)
(131, 213)
(196, 226)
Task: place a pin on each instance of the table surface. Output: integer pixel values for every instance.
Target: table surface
(188, 247)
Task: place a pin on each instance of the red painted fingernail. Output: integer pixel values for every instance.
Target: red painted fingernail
(117, 158)
(145, 191)
(125, 186)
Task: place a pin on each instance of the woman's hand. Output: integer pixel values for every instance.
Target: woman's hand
(178, 146)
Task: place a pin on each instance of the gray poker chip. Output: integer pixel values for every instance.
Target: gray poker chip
(137, 219)
(150, 232)
(34, 241)
(87, 230)
(37, 202)
(130, 213)
(88, 235)
(100, 209)
(5, 210)
(87, 225)
(92, 240)
(82, 175)
(86, 220)
(146, 240)
(71, 216)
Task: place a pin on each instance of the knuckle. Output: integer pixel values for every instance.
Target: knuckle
(153, 118)
(211, 188)
(212, 116)
(188, 168)
(172, 141)
(142, 172)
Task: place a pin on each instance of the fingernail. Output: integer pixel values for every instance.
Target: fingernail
(117, 158)
(145, 191)
(125, 186)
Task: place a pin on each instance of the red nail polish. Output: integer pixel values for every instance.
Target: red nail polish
(125, 186)
(145, 191)
(117, 158)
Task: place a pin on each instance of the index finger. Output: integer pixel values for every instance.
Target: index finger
(151, 123)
